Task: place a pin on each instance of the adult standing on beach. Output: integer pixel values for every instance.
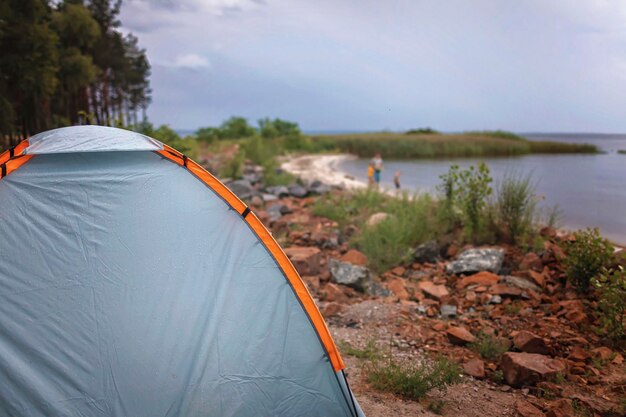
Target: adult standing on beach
(377, 163)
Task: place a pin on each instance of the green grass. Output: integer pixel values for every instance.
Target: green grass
(424, 145)
(369, 352)
(410, 221)
(412, 381)
(489, 347)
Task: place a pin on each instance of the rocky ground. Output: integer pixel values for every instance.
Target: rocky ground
(448, 301)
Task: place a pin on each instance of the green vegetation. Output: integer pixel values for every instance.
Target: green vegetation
(413, 381)
(622, 151)
(66, 63)
(369, 352)
(490, 347)
(467, 190)
(587, 255)
(422, 131)
(516, 205)
(611, 290)
(387, 243)
(430, 145)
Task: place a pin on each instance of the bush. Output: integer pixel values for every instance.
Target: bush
(422, 131)
(369, 352)
(413, 381)
(586, 256)
(611, 287)
(489, 347)
(391, 241)
(234, 168)
(467, 190)
(516, 205)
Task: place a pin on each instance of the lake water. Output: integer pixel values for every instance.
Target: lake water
(590, 190)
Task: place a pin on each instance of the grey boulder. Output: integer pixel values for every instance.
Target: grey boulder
(355, 276)
(477, 260)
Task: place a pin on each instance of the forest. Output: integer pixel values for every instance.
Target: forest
(67, 62)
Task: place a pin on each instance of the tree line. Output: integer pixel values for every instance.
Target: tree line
(65, 63)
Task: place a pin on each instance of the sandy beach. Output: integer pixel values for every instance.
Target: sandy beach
(323, 168)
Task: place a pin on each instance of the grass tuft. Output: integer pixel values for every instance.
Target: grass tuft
(489, 347)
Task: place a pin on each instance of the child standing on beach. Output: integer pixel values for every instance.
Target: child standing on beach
(396, 180)
(370, 175)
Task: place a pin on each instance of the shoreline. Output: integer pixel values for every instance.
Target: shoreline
(323, 168)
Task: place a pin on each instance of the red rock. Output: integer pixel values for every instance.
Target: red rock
(537, 277)
(460, 336)
(354, 257)
(578, 354)
(332, 292)
(526, 409)
(603, 353)
(548, 231)
(530, 343)
(559, 255)
(531, 262)
(561, 408)
(332, 309)
(529, 368)
(505, 290)
(306, 259)
(481, 278)
(432, 290)
(398, 288)
(452, 251)
(618, 359)
(475, 368)
(398, 270)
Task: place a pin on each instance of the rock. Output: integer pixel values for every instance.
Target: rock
(280, 208)
(529, 368)
(495, 299)
(398, 288)
(561, 408)
(378, 290)
(526, 409)
(242, 188)
(481, 278)
(476, 260)
(297, 191)
(432, 290)
(306, 259)
(505, 290)
(521, 283)
(460, 336)
(355, 276)
(268, 198)
(376, 218)
(312, 282)
(447, 310)
(538, 278)
(530, 343)
(278, 191)
(319, 188)
(427, 252)
(475, 368)
(332, 292)
(578, 354)
(399, 271)
(256, 201)
(354, 257)
(603, 353)
(531, 262)
(331, 309)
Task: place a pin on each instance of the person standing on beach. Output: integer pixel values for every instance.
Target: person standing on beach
(370, 175)
(377, 163)
(396, 180)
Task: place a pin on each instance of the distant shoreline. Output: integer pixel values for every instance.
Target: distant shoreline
(323, 168)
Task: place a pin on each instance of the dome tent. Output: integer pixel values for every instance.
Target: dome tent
(133, 283)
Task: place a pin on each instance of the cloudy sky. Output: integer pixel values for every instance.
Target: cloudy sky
(525, 65)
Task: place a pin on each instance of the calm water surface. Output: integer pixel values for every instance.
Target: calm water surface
(590, 190)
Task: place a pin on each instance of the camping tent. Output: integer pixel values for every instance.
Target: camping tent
(133, 283)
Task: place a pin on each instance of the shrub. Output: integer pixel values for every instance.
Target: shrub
(413, 381)
(489, 347)
(611, 287)
(468, 191)
(422, 131)
(234, 168)
(369, 352)
(390, 242)
(586, 256)
(516, 205)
